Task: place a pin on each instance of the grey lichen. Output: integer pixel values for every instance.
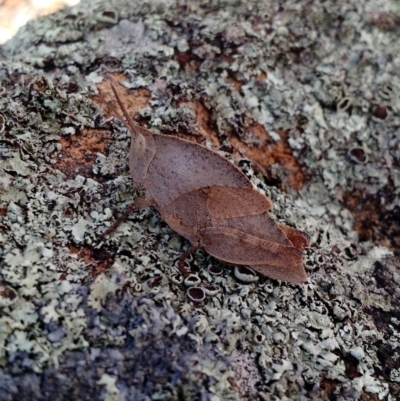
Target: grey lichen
(115, 314)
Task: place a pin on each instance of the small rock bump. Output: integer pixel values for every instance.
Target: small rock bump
(154, 282)
(259, 338)
(108, 17)
(176, 279)
(211, 289)
(358, 155)
(192, 280)
(196, 294)
(268, 288)
(345, 104)
(7, 295)
(381, 112)
(245, 274)
(2, 123)
(386, 92)
(215, 270)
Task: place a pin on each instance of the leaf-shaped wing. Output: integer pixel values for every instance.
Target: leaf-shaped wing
(180, 166)
(239, 247)
(299, 239)
(280, 262)
(227, 202)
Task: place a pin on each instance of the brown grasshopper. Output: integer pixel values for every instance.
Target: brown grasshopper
(210, 202)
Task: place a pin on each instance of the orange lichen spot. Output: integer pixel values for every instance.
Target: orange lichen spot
(3, 210)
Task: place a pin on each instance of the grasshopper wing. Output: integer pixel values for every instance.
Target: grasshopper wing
(240, 234)
(226, 202)
(179, 167)
(272, 259)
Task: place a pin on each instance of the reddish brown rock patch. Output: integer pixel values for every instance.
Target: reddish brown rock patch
(371, 219)
(187, 61)
(79, 152)
(203, 118)
(98, 260)
(132, 99)
(268, 152)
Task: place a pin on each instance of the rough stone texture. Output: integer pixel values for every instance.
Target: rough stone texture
(304, 98)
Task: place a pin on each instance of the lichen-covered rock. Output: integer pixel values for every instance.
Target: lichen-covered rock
(302, 95)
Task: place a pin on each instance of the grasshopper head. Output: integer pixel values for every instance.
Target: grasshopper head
(140, 156)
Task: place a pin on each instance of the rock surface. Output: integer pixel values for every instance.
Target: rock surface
(304, 98)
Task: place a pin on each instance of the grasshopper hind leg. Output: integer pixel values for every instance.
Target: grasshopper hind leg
(184, 256)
